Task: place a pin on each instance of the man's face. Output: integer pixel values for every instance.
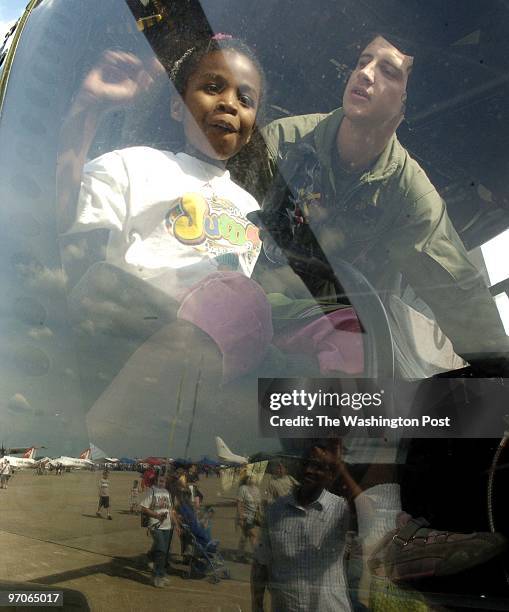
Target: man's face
(280, 470)
(376, 91)
(318, 471)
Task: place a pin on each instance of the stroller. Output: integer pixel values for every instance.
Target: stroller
(201, 552)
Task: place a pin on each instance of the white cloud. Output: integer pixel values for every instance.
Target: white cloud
(75, 251)
(122, 318)
(40, 332)
(18, 403)
(50, 280)
(5, 26)
(41, 277)
(87, 326)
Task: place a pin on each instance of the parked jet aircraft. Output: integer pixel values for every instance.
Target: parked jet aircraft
(83, 461)
(27, 461)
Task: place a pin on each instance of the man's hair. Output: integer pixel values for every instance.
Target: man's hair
(411, 48)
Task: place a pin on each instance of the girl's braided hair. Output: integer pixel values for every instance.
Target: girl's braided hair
(245, 166)
(184, 67)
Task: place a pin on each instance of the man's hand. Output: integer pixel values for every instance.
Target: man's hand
(117, 80)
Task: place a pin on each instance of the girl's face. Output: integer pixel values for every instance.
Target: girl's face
(219, 106)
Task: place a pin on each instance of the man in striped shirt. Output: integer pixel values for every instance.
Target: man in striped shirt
(301, 552)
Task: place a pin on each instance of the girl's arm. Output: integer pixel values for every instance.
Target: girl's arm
(115, 81)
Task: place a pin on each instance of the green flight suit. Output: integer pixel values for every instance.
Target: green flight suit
(390, 221)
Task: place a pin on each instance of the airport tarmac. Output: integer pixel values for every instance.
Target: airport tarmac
(51, 538)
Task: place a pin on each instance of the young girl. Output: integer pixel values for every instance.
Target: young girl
(133, 497)
(172, 218)
(176, 221)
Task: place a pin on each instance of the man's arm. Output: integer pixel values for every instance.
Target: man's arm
(434, 261)
(145, 507)
(350, 486)
(159, 516)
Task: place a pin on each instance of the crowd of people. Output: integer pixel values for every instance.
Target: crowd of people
(171, 499)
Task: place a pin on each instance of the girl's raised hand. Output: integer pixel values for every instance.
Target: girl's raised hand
(117, 80)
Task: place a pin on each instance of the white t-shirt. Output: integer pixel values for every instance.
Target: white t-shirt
(170, 216)
(158, 500)
(104, 487)
(249, 497)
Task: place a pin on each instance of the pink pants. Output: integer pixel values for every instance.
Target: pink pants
(234, 311)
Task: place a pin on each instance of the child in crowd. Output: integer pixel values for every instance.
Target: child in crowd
(133, 497)
(104, 496)
(205, 518)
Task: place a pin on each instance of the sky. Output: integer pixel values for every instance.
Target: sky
(10, 10)
(52, 371)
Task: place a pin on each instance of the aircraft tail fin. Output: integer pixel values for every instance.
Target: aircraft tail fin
(30, 453)
(222, 449)
(86, 454)
(225, 454)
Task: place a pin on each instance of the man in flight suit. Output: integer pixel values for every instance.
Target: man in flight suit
(347, 190)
